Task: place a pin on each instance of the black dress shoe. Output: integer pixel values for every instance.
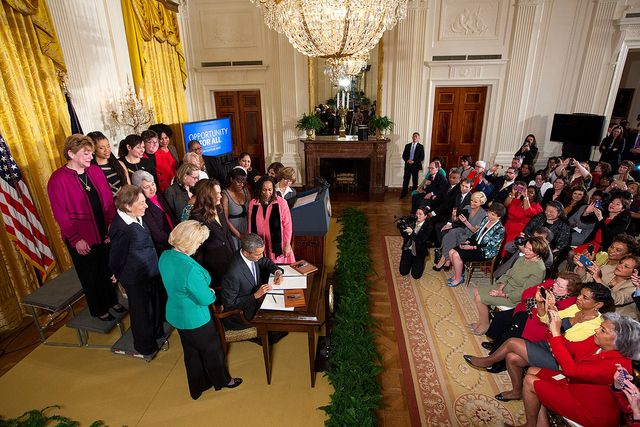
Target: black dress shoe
(487, 345)
(467, 358)
(437, 255)
(120, 310)
(437, 268)
(109, 318)
(497, 367)
(236, 383)
(501, 398)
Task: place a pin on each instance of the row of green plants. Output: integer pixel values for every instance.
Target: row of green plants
(313, 122)
(37, 418)
(355, 361)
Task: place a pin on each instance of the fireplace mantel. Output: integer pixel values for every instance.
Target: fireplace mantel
(329, 147)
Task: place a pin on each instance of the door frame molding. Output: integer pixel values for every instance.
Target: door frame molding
(468, 74)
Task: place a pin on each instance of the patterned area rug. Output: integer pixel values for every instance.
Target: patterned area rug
(430, 318)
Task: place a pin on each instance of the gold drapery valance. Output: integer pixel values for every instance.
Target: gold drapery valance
(157, 60)
(34, 121)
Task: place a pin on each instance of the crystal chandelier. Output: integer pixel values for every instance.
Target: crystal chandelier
(339, 68)
(131, 110)
(334, 30)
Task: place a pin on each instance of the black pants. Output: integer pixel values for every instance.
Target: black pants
(95, 278)
(411, 263)
(506, 325)
(146, 314)
(410, 171)
(204, 359)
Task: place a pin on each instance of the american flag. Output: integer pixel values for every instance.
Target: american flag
(20, 216)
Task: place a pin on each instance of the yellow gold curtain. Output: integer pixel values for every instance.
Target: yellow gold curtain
(157, 61)
(34, 121)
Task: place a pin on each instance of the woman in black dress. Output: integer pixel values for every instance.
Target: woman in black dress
(114, 170)
(131, 152)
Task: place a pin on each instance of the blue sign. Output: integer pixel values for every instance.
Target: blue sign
(213, 135)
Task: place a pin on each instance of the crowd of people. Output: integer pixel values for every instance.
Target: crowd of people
(566, 338)
(177, 244)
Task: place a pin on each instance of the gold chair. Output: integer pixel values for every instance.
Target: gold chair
(227, 336)
(488, 264)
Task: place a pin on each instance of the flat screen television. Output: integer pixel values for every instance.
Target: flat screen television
(578, 129)
(214, 135)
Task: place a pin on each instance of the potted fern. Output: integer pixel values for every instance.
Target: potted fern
(381, 124)
(309, 123)
(331, 102)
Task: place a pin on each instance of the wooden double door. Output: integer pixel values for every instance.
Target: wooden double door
(457, 123)
(244, 109)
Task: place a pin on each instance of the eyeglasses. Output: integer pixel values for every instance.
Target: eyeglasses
(241, 180)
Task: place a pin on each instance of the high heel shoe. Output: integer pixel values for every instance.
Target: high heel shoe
(435, 268)
(467, 358)
(236, 383)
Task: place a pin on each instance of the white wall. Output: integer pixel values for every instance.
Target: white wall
(94, 45)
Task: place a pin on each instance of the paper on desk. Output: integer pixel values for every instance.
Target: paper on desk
(288, 270)
(305, 200)
(275, 302)
(290, 282)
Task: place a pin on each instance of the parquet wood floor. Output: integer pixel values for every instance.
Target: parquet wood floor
(380, 210)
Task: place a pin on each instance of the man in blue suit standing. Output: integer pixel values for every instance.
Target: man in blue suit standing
(413, 155)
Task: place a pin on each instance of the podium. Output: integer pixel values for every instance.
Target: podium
(310, 217)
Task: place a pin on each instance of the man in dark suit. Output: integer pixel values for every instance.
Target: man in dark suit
(501, 185)
(413, 155)
(458, 198)
(435, 189)
(246, 281)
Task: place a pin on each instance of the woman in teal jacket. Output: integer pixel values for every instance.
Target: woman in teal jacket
(189, 298)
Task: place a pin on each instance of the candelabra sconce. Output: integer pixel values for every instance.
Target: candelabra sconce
(131, 110)
(342, 112)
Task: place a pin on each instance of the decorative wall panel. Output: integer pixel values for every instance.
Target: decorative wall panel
(469, 20)
(227, 30)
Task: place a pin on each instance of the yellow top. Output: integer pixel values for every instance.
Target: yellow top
(579, 331)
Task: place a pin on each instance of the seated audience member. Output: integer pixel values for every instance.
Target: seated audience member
(162, 161)
(529, 150)
(584, 396)
(527, 173)
(466, 166)
(634, 208)
(526, 272)
(556, 193)
(550, 170)
(602, 186)
(524, 317)
(216, 252)
(624, 174)
(285, 179)
(523, 204)
(414, 247)
(235, 203)
(617, 278)
(577, 323)
(554, 218)
(194, 159)
(543, 232)
(516, 163)
(457, 197)
(574, 199)
(612, 147)
(181, 190)
(158, 217)
(246, 281)
(273, 169)
(164, 136)
(134, 262)
(601, 169)
(621, 246)
(432, 189)
(463, 225)
(501, 184)
(625, 393)
(114, 170)
(270, 218)
(482, 246)
(579, 230)
(576, 173)
(541, 182)
(189, 298)
(131, 152)
(611, 220)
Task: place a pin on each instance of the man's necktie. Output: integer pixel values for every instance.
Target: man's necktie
(413, 149)
(255, 276)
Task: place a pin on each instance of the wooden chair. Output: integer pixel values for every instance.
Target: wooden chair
(227, 336)
(489, 264)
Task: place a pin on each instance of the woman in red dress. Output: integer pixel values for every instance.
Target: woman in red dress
(522, 207)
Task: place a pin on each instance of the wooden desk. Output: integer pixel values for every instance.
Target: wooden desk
(302, 319)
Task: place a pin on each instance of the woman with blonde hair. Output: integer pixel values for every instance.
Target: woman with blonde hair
(189, 299)
(286, 178)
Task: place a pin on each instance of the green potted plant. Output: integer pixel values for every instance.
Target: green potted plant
(365, 102)
(381, 124)
(310, 123)
(331, 102)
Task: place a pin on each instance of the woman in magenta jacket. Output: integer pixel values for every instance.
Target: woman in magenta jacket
(82, 204)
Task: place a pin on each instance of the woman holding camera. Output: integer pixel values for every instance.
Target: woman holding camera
(610, 221)
(523, 204)
(529, 150)
(482, 246)
(527, 271)
(414, 248)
